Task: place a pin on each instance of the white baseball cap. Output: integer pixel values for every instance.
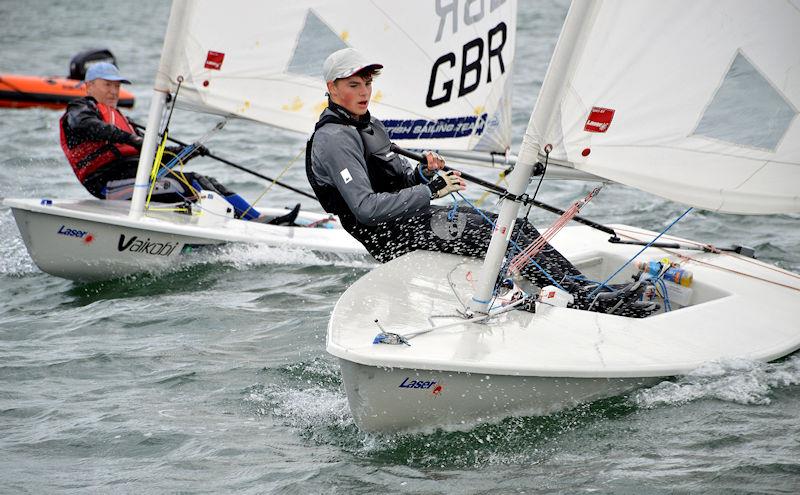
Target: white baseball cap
(345, 63)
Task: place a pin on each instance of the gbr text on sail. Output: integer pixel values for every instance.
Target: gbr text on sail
(460, 72)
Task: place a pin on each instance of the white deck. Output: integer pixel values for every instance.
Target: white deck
(731, 315)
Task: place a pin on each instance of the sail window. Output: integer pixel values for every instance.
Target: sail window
(746, 109)
(315, 43)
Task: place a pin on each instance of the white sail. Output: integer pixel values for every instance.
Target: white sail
(694, 101)
(446, 82)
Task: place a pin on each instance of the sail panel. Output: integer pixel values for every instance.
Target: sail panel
(445, 82)
(696, 102)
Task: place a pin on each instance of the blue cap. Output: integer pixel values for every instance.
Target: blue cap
(104, 70)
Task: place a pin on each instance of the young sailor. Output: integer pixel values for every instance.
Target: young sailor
(383, 201)
(103, 148)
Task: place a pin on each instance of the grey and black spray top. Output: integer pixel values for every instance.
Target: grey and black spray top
(356, 176)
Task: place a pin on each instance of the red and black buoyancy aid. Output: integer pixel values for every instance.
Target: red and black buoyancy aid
(89, 156)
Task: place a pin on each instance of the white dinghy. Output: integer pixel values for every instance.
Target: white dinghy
(694, 102)
(87, 240)
(229, 59)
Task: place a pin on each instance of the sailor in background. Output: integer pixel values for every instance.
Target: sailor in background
(381, 199)
(103, 149)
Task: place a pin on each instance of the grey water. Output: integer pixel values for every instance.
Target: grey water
(215, 379)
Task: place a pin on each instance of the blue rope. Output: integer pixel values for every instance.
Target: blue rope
(582, 278)
(489, 220)
(667, 305)
(187, 150)
(603, 284)
(513, 243)
(421, 175)
(454, 210)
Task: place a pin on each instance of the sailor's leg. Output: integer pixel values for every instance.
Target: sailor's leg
(121, 189)
(435, 229)
(549, 259)
(463, 231)
(469, 233)
(166, 190)
(472, 233)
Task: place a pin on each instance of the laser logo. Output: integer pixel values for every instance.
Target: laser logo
(84, 235)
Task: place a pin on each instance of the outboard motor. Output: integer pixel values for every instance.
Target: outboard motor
(85, 59)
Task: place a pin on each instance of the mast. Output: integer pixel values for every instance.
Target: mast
(562, 63)
(177, 17)
(147, 154)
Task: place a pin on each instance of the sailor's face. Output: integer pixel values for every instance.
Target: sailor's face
(352, 93)
(106, 92)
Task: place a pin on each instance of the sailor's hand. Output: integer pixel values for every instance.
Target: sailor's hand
(446, 183)
(201, 150)
(136, 141)
(435, 161)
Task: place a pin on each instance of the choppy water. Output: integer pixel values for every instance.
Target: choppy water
(215, 379)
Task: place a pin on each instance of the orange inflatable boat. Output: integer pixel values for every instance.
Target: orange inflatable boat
(17, 91)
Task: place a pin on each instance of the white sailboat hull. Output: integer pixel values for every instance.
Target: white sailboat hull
(89, 240)
(387, 399)
(521, 363)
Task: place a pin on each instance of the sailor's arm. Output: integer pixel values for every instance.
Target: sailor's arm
(440, 185)
(407, 173)
(341, 156)
(411, 174)
(424, 173)
(85, 122)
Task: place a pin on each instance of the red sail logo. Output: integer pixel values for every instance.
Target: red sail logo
(599, 120)
(214, 60)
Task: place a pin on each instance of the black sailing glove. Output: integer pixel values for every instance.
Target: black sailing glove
(444, 184)
(201, 150)
(136, 141)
